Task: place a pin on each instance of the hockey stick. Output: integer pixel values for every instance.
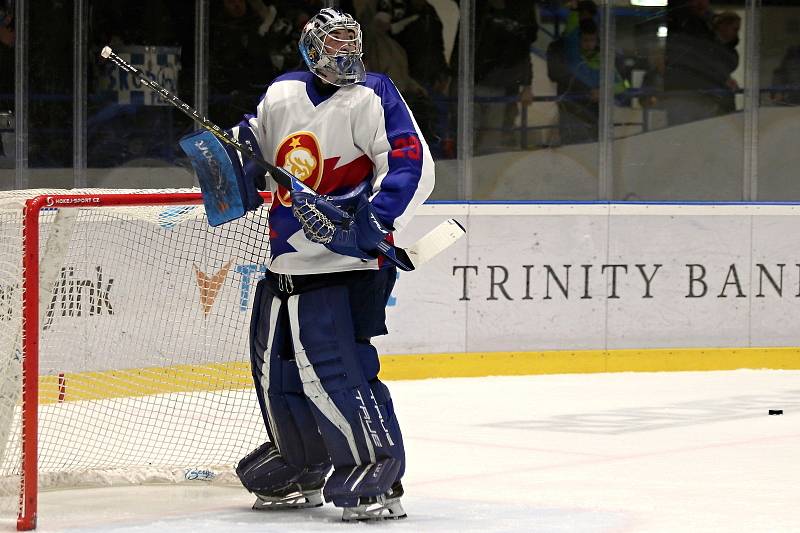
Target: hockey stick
(437, 240)
(397, 256)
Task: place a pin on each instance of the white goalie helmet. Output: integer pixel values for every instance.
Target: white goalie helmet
(331, 47)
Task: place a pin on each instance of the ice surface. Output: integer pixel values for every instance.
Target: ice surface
(671, 452)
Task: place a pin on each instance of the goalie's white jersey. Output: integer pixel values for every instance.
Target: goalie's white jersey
(333, 142)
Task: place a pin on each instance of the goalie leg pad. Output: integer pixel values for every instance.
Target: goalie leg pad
(336, 371)
(387, 420)
(381, 407)
(277, 484)
(290, 423)
(350, 487)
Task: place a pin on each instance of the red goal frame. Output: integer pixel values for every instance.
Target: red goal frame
(29, 486)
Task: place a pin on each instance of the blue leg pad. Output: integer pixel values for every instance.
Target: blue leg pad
(388, 422)
(264, 471)
(346, 487)
(278, 485)
(290, 423)
(352, 408)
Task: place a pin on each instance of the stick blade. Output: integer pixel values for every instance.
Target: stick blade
(436, 241)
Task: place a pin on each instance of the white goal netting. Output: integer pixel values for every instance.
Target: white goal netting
(143, 360)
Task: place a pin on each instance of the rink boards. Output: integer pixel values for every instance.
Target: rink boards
(533, 288)
(605, 287)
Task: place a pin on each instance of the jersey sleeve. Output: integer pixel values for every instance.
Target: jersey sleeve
(404, 169)
(250, 132)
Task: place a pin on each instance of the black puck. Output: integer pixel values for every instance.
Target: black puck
(776, 411)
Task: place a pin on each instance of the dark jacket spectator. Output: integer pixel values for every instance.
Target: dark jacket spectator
(283, 21)
(418, 29)
(690, 48)
(504, 34)
(384, 54)
(697, 63)
(726, 28)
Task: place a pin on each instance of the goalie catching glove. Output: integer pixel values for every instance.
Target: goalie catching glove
(345, 224)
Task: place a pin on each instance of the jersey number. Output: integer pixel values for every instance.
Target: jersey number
(406, 147)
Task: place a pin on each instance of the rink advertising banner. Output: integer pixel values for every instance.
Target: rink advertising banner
(603, 277)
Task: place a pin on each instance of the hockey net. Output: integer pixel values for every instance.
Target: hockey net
(143, 368)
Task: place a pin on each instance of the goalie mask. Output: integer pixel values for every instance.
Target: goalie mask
(331, 47)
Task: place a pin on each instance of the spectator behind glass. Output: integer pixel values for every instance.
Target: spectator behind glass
(382, 52)
(416, 26)
(696, 76)
(726, 27)
(283, 22)
(557, 66)
(240, 66)
(786, 78)
(568, 89)
(385, 55)
(418, 29)
(579, 109)
(504, 33)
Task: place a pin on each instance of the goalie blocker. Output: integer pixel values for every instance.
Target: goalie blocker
(228, 191)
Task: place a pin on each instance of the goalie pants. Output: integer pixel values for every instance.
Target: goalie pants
(316, 373)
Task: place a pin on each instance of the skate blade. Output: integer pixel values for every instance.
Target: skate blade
(390, 510)
(295, 500)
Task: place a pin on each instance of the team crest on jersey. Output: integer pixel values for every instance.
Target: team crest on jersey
(299, 153)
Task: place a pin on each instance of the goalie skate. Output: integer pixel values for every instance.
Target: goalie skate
(296, 498)
(387, 506)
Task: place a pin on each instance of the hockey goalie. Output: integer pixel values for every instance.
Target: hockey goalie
(349, 135)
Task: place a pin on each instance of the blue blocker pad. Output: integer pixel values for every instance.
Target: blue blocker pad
(352, 407)
(227, 194)
(296, 453)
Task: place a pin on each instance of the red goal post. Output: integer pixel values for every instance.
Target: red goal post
(152, 253)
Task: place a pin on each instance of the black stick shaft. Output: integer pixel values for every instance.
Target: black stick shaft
(279, 175)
